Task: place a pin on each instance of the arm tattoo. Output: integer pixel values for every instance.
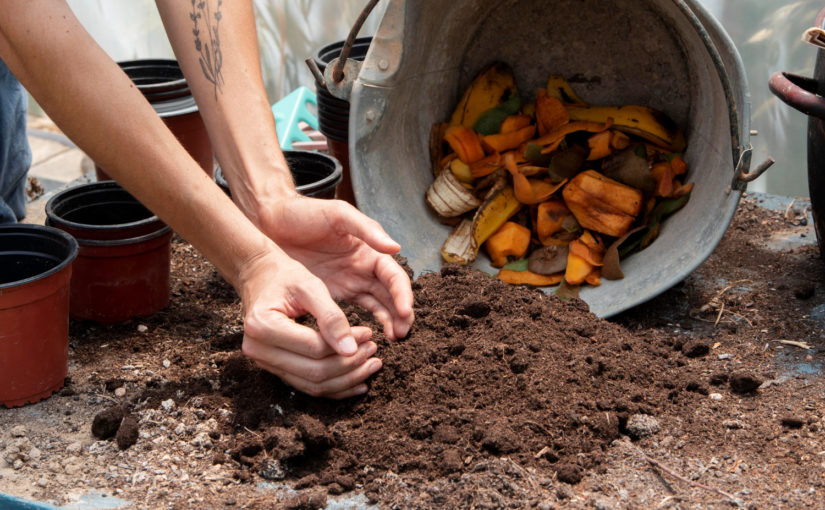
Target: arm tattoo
(211, 59)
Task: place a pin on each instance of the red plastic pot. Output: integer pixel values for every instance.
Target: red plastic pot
(162, 83)
(122, 269)
(35, 270)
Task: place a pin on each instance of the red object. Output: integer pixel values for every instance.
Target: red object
(117, 280)
(340, 151)
(122, 269)
(35, 269)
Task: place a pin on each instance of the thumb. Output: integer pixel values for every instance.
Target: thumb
(314, 297)
(356, 223)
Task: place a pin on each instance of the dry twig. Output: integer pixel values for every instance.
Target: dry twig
(681, 478)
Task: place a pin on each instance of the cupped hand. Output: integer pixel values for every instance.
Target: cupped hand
(348, 251)
(333, 362)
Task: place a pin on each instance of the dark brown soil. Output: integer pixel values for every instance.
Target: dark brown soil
(500, 396)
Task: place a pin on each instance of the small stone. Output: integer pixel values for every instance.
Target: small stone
(35, 453)
(168, 405)
(42, 482)
(642, 425)
(202, 440)
(120, 392)
(142, 328)
(715, 396)
(17, 464)
(271, 469)
(74, 448)
(18, 431)
(167, 363)
(733, 424)
(180, 429)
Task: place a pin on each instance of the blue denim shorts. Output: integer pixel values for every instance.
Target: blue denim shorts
(15, 154)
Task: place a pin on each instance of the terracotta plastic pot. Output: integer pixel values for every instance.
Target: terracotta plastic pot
(122, 270)
(35, 270)
(316, 175)
(333, 113)
(162, 83)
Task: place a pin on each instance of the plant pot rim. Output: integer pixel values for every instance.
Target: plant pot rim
(331, 51)
(166, 229)
(54, 234)
(334, 176)
(92, 187)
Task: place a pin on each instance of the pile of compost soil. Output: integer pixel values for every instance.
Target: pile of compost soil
(709, 395)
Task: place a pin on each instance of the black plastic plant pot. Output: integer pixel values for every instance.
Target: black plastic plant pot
(35, 271)
(333, 113)
(315, 174)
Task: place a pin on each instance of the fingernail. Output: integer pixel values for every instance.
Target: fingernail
(372, 347)
(347, 346)
(361, 389)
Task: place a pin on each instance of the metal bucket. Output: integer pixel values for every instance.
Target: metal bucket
(668, 54)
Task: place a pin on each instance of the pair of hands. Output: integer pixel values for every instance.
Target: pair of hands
(330, 251)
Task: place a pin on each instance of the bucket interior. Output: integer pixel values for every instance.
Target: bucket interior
(668, 55)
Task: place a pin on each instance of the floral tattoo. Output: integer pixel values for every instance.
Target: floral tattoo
(211, 58)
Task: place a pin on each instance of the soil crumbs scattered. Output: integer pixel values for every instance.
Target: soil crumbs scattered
(708, 396)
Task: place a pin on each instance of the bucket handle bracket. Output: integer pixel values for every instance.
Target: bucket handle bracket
(744, 174)
(341, 72)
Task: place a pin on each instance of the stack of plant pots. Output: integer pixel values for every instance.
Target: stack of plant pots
(162, 83)
(122, 269)
(333, 113)
(35, 270)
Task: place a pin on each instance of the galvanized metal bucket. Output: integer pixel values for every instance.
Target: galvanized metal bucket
(667, 54)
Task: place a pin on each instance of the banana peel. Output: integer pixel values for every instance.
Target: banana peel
(491, 87)
(462, 245)
(642, 121)
(448, 197)
(558, 87)
(459, 247)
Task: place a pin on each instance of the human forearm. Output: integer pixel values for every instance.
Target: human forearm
(217, 47)
(97, 106)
